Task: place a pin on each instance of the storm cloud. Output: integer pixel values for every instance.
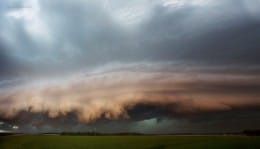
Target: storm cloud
(100, 60)
(112, 93)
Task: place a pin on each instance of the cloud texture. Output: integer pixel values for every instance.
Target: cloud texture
(112, 93)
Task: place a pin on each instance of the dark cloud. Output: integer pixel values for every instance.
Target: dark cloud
(76, 35)
(159, 120)
(7, 66)
(204, 35)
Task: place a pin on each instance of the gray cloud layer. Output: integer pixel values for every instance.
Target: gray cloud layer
(74, 35)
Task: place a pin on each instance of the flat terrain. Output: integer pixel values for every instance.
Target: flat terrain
(127, 142)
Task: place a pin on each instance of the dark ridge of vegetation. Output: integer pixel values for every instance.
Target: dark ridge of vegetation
(6, 134)
(245, 132)
(101, 134)
(252, 132)
(10, 133)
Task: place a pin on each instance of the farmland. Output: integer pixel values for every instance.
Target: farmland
(127, 142)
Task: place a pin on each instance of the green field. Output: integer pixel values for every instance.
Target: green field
(127, 142)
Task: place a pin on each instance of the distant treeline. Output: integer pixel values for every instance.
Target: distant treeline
(100, 134)
(245, 132)
(6, 134)
(252, 132)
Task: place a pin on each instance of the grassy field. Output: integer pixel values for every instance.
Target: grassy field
(127, 142)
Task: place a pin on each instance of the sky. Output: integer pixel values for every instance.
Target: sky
(147, 66)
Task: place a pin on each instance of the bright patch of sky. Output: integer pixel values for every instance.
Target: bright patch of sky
(29, 13)
(129, 13)
(180, 3)
(253, 8)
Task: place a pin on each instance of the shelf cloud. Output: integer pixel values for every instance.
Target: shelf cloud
(111, 93)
